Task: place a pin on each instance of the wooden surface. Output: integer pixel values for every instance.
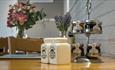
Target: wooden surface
(26, 45)
(109, 64)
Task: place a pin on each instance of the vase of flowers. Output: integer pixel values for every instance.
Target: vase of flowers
(23, 16)
(62, 23)
(20, 32)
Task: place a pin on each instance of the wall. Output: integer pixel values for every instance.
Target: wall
(4, 30)
(52, 9)
(47, 28)
(43, 29)
(66, 6)
(104, 10)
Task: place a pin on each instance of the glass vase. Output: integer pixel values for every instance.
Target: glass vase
(62, 34)
(20, 32)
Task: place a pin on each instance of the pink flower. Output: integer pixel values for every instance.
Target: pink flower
(20, 5)
(20, 13)
(21, 18)
(9, 23)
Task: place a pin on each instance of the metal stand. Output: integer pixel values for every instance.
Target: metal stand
(87, 31)
(88, 37)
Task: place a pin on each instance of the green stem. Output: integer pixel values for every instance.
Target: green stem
(20, 32)
(73, 39)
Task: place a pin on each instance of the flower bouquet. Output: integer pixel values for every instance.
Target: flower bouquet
(63, 22)
(23, 16)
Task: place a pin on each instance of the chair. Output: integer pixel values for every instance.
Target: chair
(3, 45)
(26, 45)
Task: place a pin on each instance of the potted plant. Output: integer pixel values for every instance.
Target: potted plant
(62, 23)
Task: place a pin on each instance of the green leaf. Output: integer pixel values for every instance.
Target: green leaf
(41, 14)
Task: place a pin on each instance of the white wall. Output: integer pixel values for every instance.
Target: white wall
(104, 10)
(4, 30)
(51, 9)
(43, 29)
(66, 6)
(47, 28)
